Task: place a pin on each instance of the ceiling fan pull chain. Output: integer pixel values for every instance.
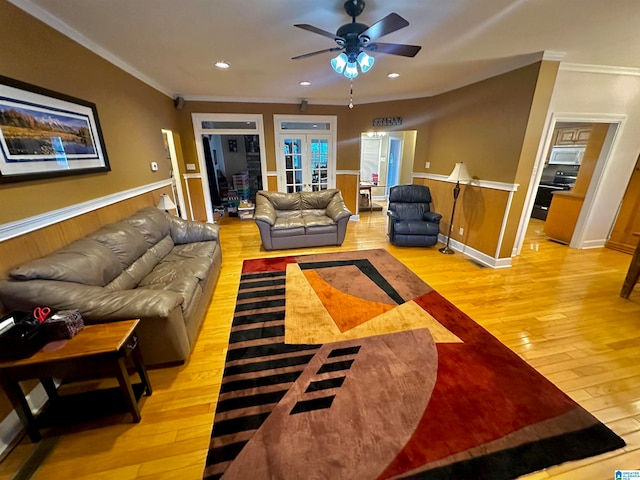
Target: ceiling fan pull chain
(351, 95)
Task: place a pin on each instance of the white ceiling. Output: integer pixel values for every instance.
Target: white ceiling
(173, 44)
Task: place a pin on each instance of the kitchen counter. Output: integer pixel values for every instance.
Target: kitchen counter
(563, 215)
(567, 193)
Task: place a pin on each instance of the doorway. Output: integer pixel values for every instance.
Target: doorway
(581, 227)
(386, 160)
(306, 152)
(230, 150)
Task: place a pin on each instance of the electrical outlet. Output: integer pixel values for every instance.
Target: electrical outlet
(427, 164)
(461, 231)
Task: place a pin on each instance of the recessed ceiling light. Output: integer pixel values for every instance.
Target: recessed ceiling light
(393, 75)
(305, 83)
(222, 65)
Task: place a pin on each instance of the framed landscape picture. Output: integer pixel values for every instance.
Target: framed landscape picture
(45, 134)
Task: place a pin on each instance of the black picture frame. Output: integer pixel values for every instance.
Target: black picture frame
(46, 134)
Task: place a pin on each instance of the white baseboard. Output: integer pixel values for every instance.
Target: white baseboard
(593, 244)
(476, 255)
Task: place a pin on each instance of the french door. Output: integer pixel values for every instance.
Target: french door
(306, 152)
(305, 162)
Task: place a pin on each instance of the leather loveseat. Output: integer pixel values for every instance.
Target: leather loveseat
(302, 219)
(152, 265)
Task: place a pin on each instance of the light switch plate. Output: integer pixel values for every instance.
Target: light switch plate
(191, 166)
(154, 166)
(427, 164)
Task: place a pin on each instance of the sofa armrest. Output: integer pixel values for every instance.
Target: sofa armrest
(265, 211)
(94, 303)
(432, 217)
(336, 209)
(189, 231)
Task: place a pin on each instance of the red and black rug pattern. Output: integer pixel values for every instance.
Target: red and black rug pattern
(349, 366)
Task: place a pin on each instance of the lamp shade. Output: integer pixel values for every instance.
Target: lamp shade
(459, 174)
(166, 203)
(338, 63)
(365, 61)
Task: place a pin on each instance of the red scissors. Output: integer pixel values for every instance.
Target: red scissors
(41, 314)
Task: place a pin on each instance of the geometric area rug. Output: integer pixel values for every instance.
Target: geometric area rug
(348, 366)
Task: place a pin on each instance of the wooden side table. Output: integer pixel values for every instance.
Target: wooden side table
(633, 274)
(366, 187)
(101, 348)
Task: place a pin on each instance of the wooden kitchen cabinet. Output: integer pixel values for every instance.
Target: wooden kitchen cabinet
(572, 136)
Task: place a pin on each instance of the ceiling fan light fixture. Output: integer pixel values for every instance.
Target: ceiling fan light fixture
(365, 61)
(351, 70)
(339, 63)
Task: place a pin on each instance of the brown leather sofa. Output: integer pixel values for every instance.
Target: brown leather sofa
(303, 219)
(153, 266)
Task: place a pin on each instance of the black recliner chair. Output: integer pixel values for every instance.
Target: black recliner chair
(411, 221)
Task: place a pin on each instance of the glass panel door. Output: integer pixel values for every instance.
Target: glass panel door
(293, 151)
(305, 152)
(319, 163)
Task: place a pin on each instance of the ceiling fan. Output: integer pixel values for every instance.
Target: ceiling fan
(355, 39)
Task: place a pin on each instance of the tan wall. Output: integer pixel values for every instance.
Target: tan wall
(526, 161)
(130, 112)
(483, 124)
(479, 211)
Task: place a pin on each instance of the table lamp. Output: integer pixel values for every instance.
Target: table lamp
(459, 174)
(166, 203)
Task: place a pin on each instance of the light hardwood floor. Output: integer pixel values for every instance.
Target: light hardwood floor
(558, 308)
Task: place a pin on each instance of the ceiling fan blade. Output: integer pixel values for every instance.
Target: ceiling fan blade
(319, 31)
(388, 24)
(394, 49)
(334, 49)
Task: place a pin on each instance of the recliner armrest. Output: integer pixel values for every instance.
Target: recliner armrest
(432, 217)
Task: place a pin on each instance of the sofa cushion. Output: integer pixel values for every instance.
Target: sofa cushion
(285, 223)
(127, 243)
(288, 214)
(283, 201)
(312, 220)
(191, 250)
(166, 272)
(85, 261)
(316, 200)
(415, 227)
(150, 222)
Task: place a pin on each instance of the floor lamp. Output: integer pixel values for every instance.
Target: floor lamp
(459, 174)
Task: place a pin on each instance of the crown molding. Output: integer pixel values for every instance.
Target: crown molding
(57, 24)
(603, 69)
(553, 55)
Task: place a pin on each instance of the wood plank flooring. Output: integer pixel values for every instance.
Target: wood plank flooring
(558, 308)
